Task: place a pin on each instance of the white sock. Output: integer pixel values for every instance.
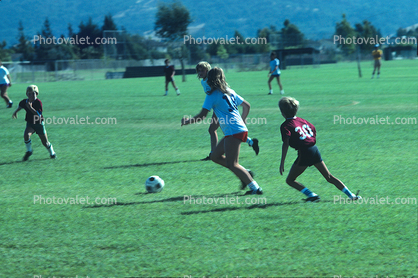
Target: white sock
(271, 91)
(50, 149)
(28, 145)
(282, 92)
(308, 193)
(249, 141)
(253, 186)
(348, 193)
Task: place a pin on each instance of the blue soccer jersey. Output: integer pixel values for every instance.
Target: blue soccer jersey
(226, 109)
(273, 64)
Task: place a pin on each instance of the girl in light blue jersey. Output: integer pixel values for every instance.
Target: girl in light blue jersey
(224, 102)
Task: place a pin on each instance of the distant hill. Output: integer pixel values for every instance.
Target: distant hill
(215, 18)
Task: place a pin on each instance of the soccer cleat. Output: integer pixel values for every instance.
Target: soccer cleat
(9, 105)
(206, 158)
(53, 156)
(255, 146)
(243, 185)
(27, 154)
(178, 92)
(314, 199)
(357, 197)
(270, 93)
(259, 191)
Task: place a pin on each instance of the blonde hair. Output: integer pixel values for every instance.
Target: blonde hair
(288, 106)
(202, 65)
(216, 81)
(32, 88)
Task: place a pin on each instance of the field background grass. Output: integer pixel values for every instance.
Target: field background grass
(160, 234)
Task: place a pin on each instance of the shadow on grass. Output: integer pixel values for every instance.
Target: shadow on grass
(231, 207)
(173, 199)
(150, 164)
(21, 161)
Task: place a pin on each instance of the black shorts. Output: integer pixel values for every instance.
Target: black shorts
(308, 156)
(169, 79)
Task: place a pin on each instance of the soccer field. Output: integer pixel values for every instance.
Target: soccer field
(87, 212)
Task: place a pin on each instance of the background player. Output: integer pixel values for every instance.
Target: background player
(274, 73)
(169, 76)
(5, 82)
(377, 55)
(224, 102)
(202, 69)
(34, 121)
(301, 135)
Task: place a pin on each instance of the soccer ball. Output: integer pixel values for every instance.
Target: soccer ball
(154, 184)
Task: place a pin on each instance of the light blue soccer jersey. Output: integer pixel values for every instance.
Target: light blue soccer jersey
(273, 64)
(226, 109)
(205, 85)
(3, 75)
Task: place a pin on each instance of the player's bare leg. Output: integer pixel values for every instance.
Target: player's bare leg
(213, 133)
(3, 90)
(322, 168)
(280, 85)
(47, 144)
(175, 87)
(230, 146)
(269, 83)
(295, 172)
(166, 87)
(28, 142)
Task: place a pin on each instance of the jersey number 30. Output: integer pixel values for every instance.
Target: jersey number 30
(304, 131)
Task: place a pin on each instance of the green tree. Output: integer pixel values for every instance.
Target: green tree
(90, 31)
(45, 48)
(291, 35)
(24, 46)
(171, 23)
(368, 33)
(222, 53)
(172, 20)
(4, 53)
(343, 31)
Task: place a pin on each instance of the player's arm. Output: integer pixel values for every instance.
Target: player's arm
(10, 80)
(14, 116)
(245, 110)
(31, 109)
(201, 116)
(285, 147)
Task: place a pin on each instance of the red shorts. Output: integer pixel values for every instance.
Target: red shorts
(241, 136)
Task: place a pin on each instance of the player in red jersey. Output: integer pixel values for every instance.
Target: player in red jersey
(301, 135)
(169, 77)
(34, 121)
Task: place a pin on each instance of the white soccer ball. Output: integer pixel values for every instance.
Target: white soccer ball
(154, 184)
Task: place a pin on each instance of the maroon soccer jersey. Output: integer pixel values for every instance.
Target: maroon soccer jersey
(301, 133)
(30, 117)
(168, 70)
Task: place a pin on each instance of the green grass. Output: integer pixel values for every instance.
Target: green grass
(159, 234)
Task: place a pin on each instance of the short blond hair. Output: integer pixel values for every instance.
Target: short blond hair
(203, 65)
(289, 106)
